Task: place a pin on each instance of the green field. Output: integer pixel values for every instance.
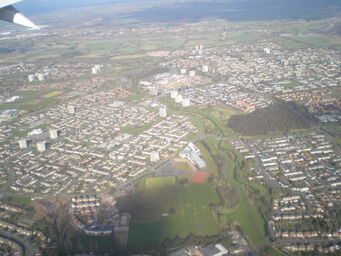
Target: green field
(252, 229)
(53, 94)
(311, 40)
(241, 217)
(184, 166)
(158, 182)
(168, 213)
(215, 119)
(30, 101)
(18, 200)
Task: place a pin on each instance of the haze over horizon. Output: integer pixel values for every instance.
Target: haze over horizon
(195, 10)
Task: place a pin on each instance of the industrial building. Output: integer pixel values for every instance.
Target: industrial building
(192, 153)
(212, 250)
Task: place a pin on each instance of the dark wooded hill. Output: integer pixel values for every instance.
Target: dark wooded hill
(279, 117)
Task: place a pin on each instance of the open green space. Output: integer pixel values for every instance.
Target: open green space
(56, 52)
(310, 40)
(289, 43)
(241, 217)
(335, 92)
(227, 165)
(116, 47)
(131, 129)
(168, 213)
(18, 200)
(230, 173)
(130, 56)
(291, 84)
(30, 100)
(184, 166)
(249, 36)
(158, 182)
(320, 41)
(52, 94)
(209, 120)
(133, 97)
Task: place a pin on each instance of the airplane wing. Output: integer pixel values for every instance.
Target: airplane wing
(10, 14)
(5, 3)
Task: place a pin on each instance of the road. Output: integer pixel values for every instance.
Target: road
(278, 242)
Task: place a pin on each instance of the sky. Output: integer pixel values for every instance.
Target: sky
(235, 10)
(36, 7)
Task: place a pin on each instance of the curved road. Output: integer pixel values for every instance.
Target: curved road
(26, 247)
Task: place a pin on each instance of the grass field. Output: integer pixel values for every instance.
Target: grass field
(158, 182)
(292, 84)
(30, 100)
(18, 200)
(131, 129)
(184, 166)
(52, 94)
(57, 52)
(30, 107)
(173, 212)
(312, 40)
(320, 40)
(130, 56)
(240, 215)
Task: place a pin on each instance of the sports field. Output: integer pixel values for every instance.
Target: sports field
(53, 94)
(184, 165)
(158, 182)
(199, 177)
(173, 212)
